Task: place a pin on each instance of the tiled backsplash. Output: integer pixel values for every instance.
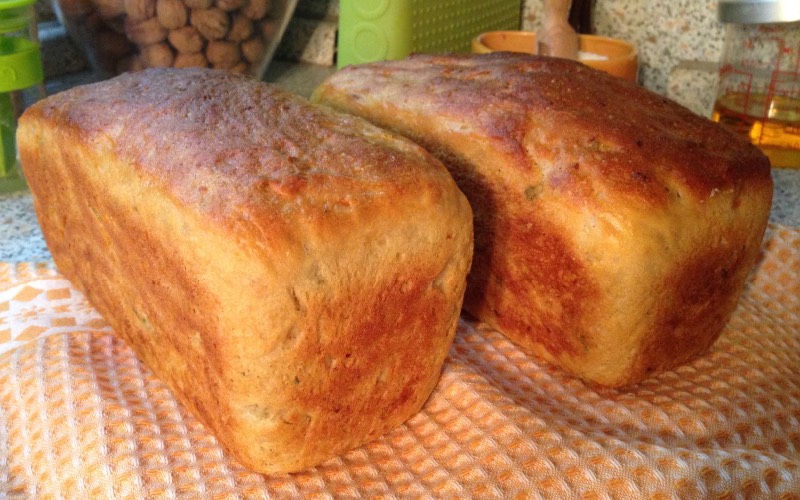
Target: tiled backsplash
(679, 41)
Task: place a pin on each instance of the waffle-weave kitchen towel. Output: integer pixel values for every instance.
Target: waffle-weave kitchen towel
(81, 417)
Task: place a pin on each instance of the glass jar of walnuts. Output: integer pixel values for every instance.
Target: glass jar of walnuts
(127, 35)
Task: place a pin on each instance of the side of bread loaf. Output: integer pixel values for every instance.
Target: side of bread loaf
(614, 229)
(293, 274)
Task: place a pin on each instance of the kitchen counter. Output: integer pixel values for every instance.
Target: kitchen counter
(21, 239)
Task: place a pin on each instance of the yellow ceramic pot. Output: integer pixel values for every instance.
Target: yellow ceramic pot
(619, 58)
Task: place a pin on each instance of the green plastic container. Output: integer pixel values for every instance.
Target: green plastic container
(21, 78)
(375, 30)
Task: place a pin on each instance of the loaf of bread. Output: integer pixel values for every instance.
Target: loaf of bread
(293, 274)
(614, 229)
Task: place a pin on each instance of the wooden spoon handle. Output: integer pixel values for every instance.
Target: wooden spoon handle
(556, 37)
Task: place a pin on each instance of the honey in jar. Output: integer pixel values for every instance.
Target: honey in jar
(759, 88)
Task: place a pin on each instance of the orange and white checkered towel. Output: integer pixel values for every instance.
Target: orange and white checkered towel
(81, 417)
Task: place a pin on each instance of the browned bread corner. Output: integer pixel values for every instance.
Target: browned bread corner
(295, 275)
(614, 229)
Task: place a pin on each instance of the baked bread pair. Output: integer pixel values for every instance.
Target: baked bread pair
(295, 274)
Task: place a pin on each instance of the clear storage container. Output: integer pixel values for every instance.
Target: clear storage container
(127, 35)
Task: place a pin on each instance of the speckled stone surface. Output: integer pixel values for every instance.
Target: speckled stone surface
(786, 199)
(693, 84)
(665, 32)
(20, 237)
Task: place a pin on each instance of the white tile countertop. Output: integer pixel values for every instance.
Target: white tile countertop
(21, 239)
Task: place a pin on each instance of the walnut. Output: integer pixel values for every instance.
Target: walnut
(269, 28)
(198, 4)
(139, 10)
(253, 49)
(223, 53)
(256, 9)
(184, 60)
(145, 32)
(241, 67)
(212, 23)
(230, 5)
(241, 28)
(186, 40)
(171, 14)
(158, 55)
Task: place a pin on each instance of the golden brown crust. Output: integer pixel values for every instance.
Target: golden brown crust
(293, 274)
(613, 228)
(628, 137)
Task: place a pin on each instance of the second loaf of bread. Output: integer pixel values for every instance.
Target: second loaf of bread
(614, 229)
(293, 274)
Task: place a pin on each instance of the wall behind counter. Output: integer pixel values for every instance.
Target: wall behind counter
(679, 42)
(668, 33)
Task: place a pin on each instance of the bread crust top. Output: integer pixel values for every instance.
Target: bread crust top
(620, 135)
(614, 229)
(294, 275)
(240, 146)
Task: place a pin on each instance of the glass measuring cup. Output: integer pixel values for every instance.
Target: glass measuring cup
(758, 94)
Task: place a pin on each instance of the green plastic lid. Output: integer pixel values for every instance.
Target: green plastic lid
(20, 64)
(11, 4)
(15, 15)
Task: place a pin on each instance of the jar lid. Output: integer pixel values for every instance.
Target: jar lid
(758, 11)
(20, 64)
